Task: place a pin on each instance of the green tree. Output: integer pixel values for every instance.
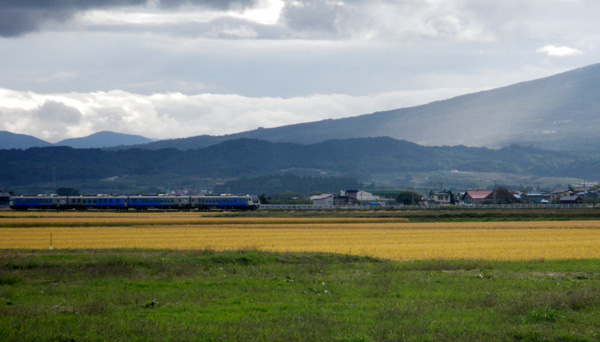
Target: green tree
(263, 199)
(408, 197)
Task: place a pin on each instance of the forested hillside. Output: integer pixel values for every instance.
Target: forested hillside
(272, 184)
(359, 158)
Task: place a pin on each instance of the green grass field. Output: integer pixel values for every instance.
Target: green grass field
(138, 295)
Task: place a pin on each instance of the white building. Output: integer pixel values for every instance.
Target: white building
(323, 200)
(441, 198)
(360, 196)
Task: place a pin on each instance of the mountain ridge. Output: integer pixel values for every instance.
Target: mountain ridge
(548, 112)
(10, 140)
(103, 139)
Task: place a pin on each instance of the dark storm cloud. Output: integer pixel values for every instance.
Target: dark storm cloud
(18, 17)
(313, 15)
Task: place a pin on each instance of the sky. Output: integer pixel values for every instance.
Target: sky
(179, 68)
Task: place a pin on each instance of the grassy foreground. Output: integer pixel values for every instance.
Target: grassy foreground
(143, 295)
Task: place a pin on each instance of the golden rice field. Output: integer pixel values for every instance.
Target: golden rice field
(391, 238)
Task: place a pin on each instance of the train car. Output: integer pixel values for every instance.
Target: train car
(158, 202)
(142, 202)
(25, 202)
(97, 202)
(244, 202)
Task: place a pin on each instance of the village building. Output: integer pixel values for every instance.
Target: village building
(325, 200)
(571, 200)
(440, 198)
(496, 196)
(558, 194)
(360, 196)
(344, 201)
(536, 197)
(475, 196)
(345, 198)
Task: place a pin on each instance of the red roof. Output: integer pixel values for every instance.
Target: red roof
(478, 194)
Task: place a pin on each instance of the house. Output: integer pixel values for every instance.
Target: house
(571, 200)
(496, 196)
(323, 200)
(440, 198)
(501, 196)
(535, 197)
(475, 196)
(558, 194)
(588, 196)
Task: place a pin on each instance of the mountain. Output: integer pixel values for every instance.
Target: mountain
(560, 112)
(104, 139)
(10, 140)
(366, 159)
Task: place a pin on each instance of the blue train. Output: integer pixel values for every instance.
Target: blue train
(142, 202)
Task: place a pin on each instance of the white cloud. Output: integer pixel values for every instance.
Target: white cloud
(559, 51)
(170, 115)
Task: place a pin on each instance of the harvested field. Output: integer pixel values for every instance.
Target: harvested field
(390, 238)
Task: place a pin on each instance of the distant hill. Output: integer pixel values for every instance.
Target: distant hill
(561, 112)
(10, 140)
(104, 139)
(366, 159)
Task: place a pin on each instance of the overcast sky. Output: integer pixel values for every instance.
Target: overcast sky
(179, 68)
